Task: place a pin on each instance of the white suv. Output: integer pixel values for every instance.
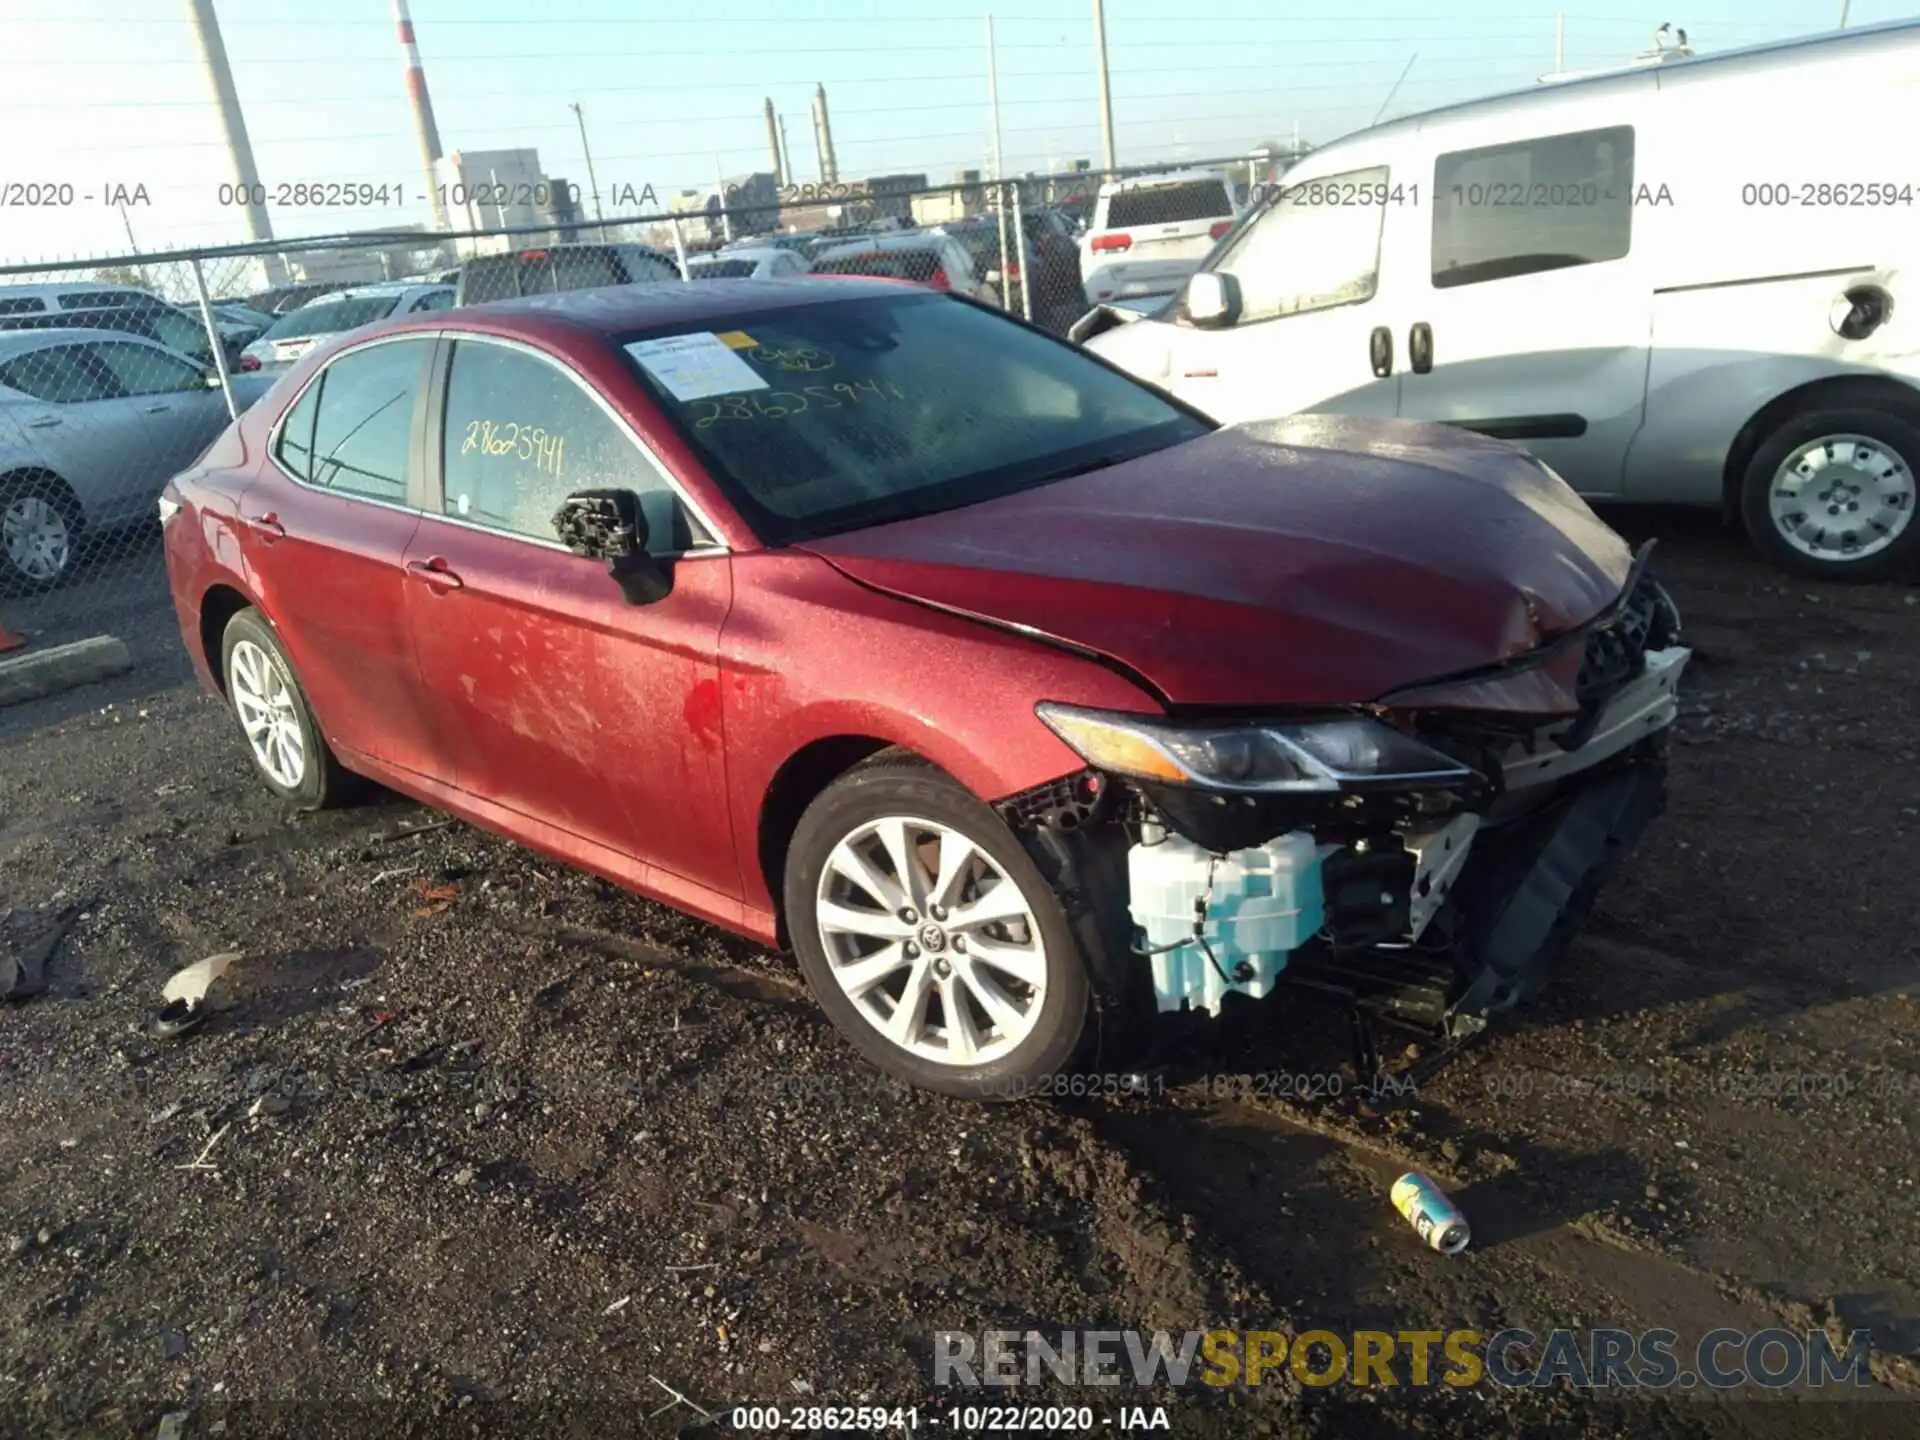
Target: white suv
(1150, 232)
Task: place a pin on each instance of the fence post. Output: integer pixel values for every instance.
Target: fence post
(1020, 244)
(679, 246)
(214, 341)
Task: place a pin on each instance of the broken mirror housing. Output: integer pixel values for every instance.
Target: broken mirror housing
(1300, 757)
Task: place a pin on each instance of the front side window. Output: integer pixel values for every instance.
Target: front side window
(521, 435)
(830, 416)
(363, 424)
(60, 375)
(177, 332)
(1316, 246)
(1521, 208)
(144, 370)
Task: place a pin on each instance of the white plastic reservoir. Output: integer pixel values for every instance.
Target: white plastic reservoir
(1266, 903)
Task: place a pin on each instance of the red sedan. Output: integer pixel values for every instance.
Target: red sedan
(1021, 701)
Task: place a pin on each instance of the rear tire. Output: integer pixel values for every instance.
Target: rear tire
(276, 722)
(41, 528)
(1831, 495)
(965, 979)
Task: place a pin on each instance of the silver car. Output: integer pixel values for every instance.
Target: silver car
(325, 316)
(92, 424)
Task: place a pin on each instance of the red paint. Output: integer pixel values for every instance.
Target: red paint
(506, 681)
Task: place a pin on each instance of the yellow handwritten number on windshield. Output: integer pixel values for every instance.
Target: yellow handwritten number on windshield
(781, 404)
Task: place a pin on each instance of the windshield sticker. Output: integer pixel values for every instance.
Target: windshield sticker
(695, 367)
(782, 404)
(737, 340)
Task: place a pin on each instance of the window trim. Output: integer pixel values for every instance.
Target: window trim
(415, 481)
(434, 480)
(1213, 265)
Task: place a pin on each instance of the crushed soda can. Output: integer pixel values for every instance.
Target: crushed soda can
(1433, 1216)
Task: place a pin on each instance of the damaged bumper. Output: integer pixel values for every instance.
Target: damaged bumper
(1436, 904)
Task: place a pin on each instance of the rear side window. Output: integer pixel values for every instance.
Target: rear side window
(105, 299)
(143, 370)
(363, 423)
(61, 375)
(28, 305)
(1169, 204)
(1549, 203)
(295, 450)
(724, 270)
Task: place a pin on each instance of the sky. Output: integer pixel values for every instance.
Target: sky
(98, 94)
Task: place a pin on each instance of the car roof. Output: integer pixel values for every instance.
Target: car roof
(69, 287)
(884, 240)
(373, 288)
(40, 338)
(619, 309)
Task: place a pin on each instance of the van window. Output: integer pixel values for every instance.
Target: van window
(1316, 246)
(1544, 204)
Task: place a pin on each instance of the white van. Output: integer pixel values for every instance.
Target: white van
(1696, 283)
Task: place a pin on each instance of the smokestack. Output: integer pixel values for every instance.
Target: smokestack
(422, 113)
(829, 167)
(213, 53)
(773, 143)
(786, 152)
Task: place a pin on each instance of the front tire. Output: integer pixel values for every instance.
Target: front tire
(929, 936)
(1831, 495)
(275, 720)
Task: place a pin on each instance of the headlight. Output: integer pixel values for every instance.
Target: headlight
(1314, 756)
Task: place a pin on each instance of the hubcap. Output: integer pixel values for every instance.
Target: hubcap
(930, 939)
(1842, 497)
(263, 699)
(36, 537)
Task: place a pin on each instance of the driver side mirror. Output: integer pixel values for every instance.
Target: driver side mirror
(609, 525)
(1212, 300)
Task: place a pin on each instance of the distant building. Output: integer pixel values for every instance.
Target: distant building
(500, 190)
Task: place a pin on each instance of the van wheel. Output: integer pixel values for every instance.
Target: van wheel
(1831, 495)
(930, 938)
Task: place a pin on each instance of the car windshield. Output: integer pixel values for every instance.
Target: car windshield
(722, 269)
(328, 317)
(832, 416)
(1171, 204)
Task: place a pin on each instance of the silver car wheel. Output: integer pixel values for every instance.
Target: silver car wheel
(1841, 498)
(932, 941)
(263, 699)
(38, 542)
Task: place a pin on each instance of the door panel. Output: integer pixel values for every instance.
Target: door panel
(1531, 281)
(325, 556)
(1313, 288)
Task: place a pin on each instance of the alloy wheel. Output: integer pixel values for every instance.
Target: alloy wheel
(1842, 498)
(932, 941)
(263, 699)
(38, 541)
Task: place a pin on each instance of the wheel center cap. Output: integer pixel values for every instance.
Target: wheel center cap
(932, 938)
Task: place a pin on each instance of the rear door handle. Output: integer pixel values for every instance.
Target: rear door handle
(159, 409)
(268, 525)
(1380, 351)
(1420, 348)
(435, 572)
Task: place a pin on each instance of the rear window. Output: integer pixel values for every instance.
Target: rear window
(918, 266)
(28, 305)
(723, 269)
(541, 272)
(327, 317)
(1169, 204)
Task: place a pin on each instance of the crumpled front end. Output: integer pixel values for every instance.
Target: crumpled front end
(1425, 857)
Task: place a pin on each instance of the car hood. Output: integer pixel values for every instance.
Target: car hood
(1312, 560)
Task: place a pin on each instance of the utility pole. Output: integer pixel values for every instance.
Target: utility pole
(1395, 90)
(999, 190)
(1106, 85)
(592, 184)
(720, 193)
(1560, 44)
(1845, 5)
(127, 221)
(213, 54)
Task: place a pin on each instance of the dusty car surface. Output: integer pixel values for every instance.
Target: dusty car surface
(1020, 700)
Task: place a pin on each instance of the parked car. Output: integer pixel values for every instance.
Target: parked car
(70, 295)
(748, 263)
(551, 269)
(924, 257)
(1149, 232)
(1577, 268)
(300, 329)
(858, 617)
(282, 298)
(156, 321)
(240, 322)
(1052, 261)
(92, 422)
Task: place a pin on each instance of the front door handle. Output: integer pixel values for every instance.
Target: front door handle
(45, 422)
(1420, 348)
(1380, 351)
(268, 525)
(435, 572)
(159, 409)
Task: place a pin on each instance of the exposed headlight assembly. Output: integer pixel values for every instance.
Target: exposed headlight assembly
(1312, 756)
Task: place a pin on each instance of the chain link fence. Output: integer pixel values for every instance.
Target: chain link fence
(117, 374)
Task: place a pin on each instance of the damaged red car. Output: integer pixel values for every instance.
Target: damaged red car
(1022, 702)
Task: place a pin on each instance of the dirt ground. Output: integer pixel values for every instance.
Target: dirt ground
(534, 1155)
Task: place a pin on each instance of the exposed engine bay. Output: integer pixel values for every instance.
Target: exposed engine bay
(1424, 858)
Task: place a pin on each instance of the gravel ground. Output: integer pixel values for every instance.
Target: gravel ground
(475, 1142)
